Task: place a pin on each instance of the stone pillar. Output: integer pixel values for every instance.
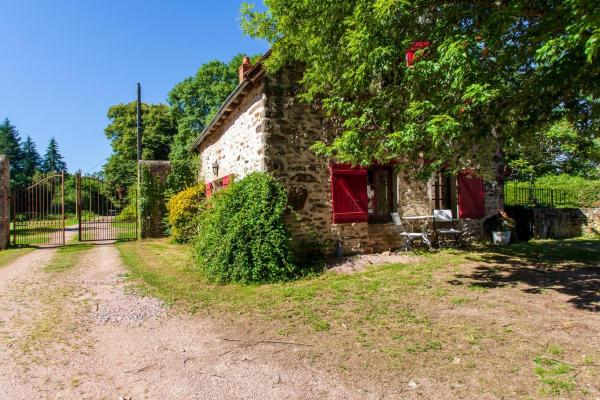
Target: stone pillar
(4, 202)
(151, 200)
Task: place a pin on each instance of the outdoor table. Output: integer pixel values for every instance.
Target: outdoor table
(416, 218)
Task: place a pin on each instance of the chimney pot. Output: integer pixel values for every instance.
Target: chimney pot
(246, 65)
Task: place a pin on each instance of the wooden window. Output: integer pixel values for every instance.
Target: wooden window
(218, 184)
(410, 53)
(349, 194)
(444, 193)
(380, 194)
(471, 200)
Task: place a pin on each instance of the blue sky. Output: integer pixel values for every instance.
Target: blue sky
(64, 62)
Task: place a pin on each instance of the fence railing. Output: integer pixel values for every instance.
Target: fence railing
(515, 194)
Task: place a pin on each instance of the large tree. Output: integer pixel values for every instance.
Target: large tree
(489, 79)
(53, 161)
(10, 145)
(196, 99)
(159, 130)
(32, 161)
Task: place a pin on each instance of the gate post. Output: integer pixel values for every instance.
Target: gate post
(78, 202)
(4, 206)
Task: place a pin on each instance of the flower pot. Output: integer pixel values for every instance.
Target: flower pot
(501, 238)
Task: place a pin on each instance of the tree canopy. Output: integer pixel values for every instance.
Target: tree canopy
(32, 162)
(159, 129)
(53, 160)
(196, 99)
(490, 80)
(10, 145)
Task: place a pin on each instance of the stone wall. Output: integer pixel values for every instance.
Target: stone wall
(237, 145)
(291, 127)
(272, 131)
(560, 223)
(4, 202)
(151, 215)
(592, 225)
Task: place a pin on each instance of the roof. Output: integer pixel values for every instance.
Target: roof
(251, 76)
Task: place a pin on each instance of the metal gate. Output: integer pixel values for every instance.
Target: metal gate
(38, 212)
(105, 213)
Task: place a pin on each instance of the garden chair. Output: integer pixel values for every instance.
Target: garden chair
(446, 231)
(409, 237)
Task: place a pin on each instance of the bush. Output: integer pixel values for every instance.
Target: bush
(128, 213)
(242, 236)
(183, 209)
(582, 192)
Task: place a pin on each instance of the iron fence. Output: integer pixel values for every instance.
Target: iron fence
(517, 194)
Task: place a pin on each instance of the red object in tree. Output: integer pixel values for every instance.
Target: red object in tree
(349, 194)
(208, 189)
(470, 196)
(414, 47)
(225, 181)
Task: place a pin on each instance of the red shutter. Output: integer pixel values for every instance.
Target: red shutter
(470, 196)
(208, 189)
(349, 194)
(410, 53)
(225, 181)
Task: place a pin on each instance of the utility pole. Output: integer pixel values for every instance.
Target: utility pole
(139, 221)
(139, 121)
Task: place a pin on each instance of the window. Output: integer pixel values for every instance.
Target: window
(410, 53)
(471, 196)
(379, 193)
(463, 194)
(444, 193)
(218, 184)
(360, 194)
(349, 194)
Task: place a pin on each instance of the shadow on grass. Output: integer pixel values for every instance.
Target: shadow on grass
(571, 267)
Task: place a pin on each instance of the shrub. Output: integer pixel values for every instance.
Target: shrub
(242, 236)
(128, 213)
(183, 209)
(582, 192)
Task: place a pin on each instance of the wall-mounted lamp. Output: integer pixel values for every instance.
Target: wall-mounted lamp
(215, 168)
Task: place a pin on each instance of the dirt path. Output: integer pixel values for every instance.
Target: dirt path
(81, 334)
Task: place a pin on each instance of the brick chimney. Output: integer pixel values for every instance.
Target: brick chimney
(244, 68)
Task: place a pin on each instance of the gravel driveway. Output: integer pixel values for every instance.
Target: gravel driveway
(81, 334)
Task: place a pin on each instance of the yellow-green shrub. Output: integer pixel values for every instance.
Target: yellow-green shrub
(182, 210)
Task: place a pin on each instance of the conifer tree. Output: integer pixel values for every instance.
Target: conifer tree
(32, 161)
(10, 145)
(53, 160)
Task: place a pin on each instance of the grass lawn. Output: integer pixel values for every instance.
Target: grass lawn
(9, 255)
(513, 322)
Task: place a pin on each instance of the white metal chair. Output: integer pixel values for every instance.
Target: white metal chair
(409, 237)
(444, 217)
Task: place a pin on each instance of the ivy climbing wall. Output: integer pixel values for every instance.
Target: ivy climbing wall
(151, 201)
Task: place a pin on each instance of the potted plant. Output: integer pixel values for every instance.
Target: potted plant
(502, 231)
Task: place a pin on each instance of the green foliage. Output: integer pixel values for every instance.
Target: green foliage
(10, 145)
(182, 175)
(53, 160)
(520, 76)
(129, 211)
(151, 203)
(159, 130)
(183, 210)
(196, 100)
(242, 236)
(583, 192)
(32, 161)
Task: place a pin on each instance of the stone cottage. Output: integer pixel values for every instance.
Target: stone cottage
(262, 126)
